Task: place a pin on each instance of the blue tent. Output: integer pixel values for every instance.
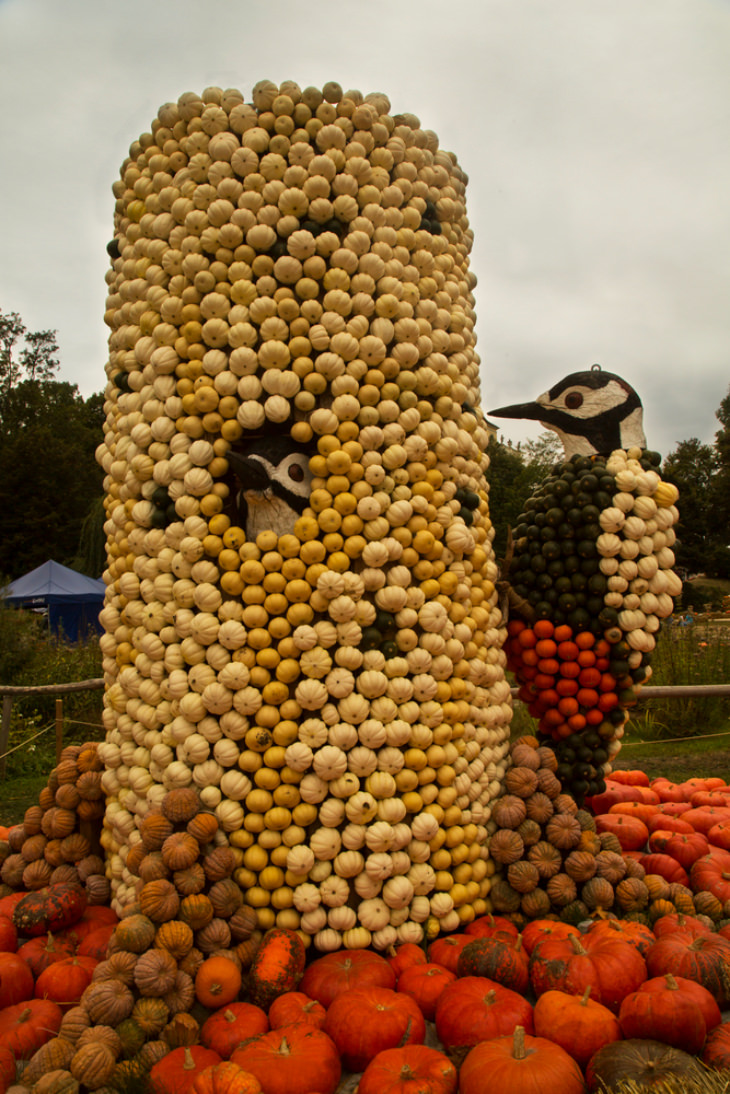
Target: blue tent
(73, 601)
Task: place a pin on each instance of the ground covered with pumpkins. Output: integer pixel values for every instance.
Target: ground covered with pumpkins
(603, 965)
(309, 856)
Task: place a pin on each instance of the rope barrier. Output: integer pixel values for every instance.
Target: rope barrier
(27, 741)
(674, 740)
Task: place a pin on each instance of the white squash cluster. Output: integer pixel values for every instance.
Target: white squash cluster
(337, 692)
(636, 549)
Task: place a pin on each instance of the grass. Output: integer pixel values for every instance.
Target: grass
(18, 795)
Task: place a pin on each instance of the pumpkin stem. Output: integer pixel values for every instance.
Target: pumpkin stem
(671, 982)
(189, 1064)
(284, 1049)
(406, 1073)
(575, 943)
(585, 996)
(518, 1043)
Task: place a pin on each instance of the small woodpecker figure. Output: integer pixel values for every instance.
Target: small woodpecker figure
(273, 484)
(589, 573)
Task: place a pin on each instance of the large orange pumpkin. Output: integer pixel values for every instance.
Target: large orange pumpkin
(292, 1060)
(228, 1026)
(326, 977)
(611, 968)
(412, 1068)
(424, 984)
(16, 980)
(577, 1023)
(365, 1021)
(663, 1010)
(520, 1064)
(475, 1009)
(176, 1072)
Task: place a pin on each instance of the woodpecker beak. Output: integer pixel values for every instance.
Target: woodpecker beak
(251, 473)
(520, 410)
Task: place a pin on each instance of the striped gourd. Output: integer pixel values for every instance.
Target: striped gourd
(290, 289)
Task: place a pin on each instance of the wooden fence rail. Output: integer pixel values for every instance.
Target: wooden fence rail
(8, 693)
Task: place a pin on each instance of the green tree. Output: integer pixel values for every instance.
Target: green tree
(692, 468)
(513, 473)
(720, 495)
(48, 435)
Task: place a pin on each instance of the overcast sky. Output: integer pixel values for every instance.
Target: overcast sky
(596, 136)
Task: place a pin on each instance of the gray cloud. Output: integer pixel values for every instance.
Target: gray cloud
(595, 138)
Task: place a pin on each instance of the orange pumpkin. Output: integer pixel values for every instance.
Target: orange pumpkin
(410, 1068)
(474, 1009)
(424, 984)
(705, 817)
(520, 1064)
(638, 809)
(217, 981)
(446, 950)
(228, 1026)
(485, 925)
(8, 935)
(612, 969)
(631, 832)
(403, 956)
(175, 1073)
(711, 873)
(719, 835)
(225, 1078)
(16, 980)
(670, 1010)
(64, 982)
(577, 1023)
(336, 972)
(293, 1007)
(630, 778)
(277, 967)
(292, 1060)
(668, 822)
(702, 958)
(537, 929)
(364, 1021)
(25, 1027)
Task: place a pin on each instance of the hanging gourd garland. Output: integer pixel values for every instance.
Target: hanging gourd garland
(301, 620)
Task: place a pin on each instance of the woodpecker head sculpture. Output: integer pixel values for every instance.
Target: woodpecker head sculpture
(593, 412)
(273, 484)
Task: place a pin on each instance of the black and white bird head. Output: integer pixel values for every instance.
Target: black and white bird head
(273, 484)
(593, 412)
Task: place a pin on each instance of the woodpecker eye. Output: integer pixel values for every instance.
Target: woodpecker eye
(573, 400)
(296, 473)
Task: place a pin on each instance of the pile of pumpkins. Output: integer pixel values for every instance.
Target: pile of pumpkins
(184, 993)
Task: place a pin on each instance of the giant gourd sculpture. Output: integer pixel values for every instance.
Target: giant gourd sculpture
(301, 620)
(590, 573)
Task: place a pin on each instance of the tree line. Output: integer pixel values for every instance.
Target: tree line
(50, 482)
(51, 486)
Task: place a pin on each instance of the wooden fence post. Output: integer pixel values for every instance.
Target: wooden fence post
(5, 731)
(59, 729)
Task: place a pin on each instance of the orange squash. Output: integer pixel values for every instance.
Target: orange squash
(577, 1023)
(631, 832)
(217, 982)
(277, 967)
(520, 1064)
